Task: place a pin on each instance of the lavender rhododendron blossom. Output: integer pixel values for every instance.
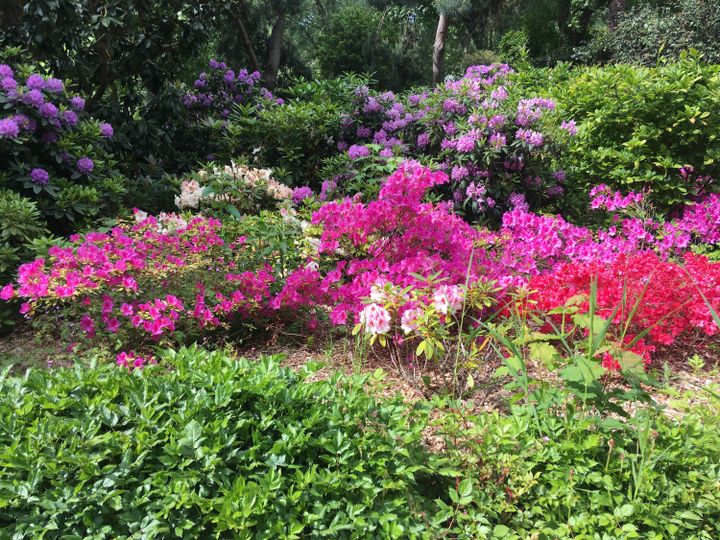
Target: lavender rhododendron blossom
(48, 110)
(106, 130)
(8, 84)
(9, 128)
(357, 151)
(54, 85)
(39, 176)
(33, 97)
(299, 194)
(77, 103)
(85, 165)
(35, 81)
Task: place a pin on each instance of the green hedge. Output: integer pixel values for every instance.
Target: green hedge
(204, 446)
(207, 446)
(638, 126)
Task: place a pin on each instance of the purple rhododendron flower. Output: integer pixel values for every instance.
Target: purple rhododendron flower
(54, 85)
(35, 82)
(70, 117)
(466, 143)
(85, 165)
(9, 128)
(77, 103)
(357, 151)
(301, 193)
(106, 130)
(8, 83)
(49, 137)
(39, 176)
(48, 110)
(459, 172)
(34, 97)
(570, 127)
(5, 71)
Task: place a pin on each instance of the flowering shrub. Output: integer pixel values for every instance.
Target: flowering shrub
(395, 238)
(489, 143)
(397, 243)
(639, 127)
(160, 280)
(217, 91)
(641, 292)
(234, 190)
(52, 151)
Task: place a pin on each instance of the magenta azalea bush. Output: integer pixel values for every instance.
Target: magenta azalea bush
(52, 151)
(161, 280)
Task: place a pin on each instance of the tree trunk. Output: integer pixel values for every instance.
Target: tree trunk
(615, 8)
(563, 16)
(245, 39)
(438, 66)
(275, 48)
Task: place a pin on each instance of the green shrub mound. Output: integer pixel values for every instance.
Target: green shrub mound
(210, 447)
(207, 446)
(583, 476)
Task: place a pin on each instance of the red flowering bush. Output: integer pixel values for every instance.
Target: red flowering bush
(161, 279)
(643, 292)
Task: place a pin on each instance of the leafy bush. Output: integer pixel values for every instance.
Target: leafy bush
(52, 151)
(293, 138)
(648, 32)
(20, 224)
(513, 48)
(638, 127)
(581, 475)
(212, 447)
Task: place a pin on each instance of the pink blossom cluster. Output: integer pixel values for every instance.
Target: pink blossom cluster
(143, 280)
(602, 197)
(131, 360)
(375, 319)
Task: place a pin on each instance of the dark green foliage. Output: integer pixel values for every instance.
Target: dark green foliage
(208, 446)
(294, 138)
(204, 447)
(392, 44)
(650, 32)
(579, 476)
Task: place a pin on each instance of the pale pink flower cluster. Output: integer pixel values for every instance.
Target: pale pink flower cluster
(375, 319)
(192, 192)
(409, 319)
(448, 299)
